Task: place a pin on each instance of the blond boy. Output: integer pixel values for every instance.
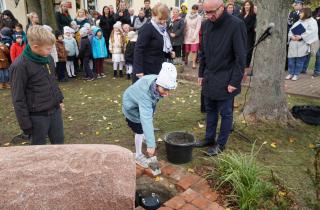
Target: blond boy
(37, 99)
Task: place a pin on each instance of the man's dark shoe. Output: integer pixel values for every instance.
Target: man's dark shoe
(203, 144)
(213, 151)
(316, 75)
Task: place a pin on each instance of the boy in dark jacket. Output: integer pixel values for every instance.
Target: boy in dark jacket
(132, 36)
(85, 53)
(36, 97)
(62, 57)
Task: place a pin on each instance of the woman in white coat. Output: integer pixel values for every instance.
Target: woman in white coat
(301, 35)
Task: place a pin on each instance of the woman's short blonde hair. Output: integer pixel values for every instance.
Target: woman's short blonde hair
(161, 11)
(40, 36)
(31, 15)
(81, 10)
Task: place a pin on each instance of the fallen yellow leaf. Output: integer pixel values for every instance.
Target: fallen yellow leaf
(291, 140)
(81, 133)
(97, 133)
(312, 146)
(7, 144)
(23, 143)
(200, 125)
(108, 128)
(157, 179)
(282, 194)
(273, 145)
(160, 140)
(173, 102)
(116, 140)
(190, 170)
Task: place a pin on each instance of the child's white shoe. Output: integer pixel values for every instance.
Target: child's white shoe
(294, 78)
(142, 161)
(289, 77)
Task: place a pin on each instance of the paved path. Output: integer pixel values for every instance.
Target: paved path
(306, 85)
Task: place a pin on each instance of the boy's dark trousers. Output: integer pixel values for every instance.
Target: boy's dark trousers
(86, 66)
(61, 69)
(47, 124)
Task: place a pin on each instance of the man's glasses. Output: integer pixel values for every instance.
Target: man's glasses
(213, 12)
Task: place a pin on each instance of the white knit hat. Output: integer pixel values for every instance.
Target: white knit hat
(168, 76)
(117, 25)
(132, 36)
(48, 28)
(83, 32)
(67, 29)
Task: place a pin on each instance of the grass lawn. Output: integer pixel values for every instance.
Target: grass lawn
(93, 116)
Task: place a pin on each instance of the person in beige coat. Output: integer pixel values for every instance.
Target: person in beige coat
(191, 39)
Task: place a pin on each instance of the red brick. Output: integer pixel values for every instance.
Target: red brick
(139, 170)
(168, 170)
(149, 173)
(189, 195)
(165, 208)
(201, 202)
(163, 164)
(189, 207)
(178, 175)
(211, 195)
(201, 187)
(187, 181)
(214, 206)
(175, 202)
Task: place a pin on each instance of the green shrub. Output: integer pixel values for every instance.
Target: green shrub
(246, 178)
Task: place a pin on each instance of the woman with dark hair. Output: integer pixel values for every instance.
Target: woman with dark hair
(191, 39)
(106, 24)
(7, 20)
(301, 35)
(250, 19)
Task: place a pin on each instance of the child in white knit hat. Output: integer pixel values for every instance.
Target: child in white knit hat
(139, 103)
(72, 49)
(117, 48)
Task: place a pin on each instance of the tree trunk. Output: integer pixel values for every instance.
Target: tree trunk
(34, 6)
(48, 13)
(267, 100)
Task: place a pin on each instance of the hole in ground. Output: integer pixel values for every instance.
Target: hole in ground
(146, 186)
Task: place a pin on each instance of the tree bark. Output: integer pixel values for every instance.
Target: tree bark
(267, 100)
(48, 13)
(34, 6)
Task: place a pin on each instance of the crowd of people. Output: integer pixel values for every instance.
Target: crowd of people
(142, 45)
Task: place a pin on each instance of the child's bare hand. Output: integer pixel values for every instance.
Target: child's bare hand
(62, 107)
(151, 151)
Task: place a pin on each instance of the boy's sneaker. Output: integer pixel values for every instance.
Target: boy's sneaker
(289, 77)
(103, 75)
(90, 79)
(142, 161)
(294, 78)
(98, 77)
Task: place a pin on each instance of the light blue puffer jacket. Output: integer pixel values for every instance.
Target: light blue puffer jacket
(99, 49)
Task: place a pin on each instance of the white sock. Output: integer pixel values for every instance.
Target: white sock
(121, 64)
(138, 143)
(72, 69)
(69, 68)
(115, 66)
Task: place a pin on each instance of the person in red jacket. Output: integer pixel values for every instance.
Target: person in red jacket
(17, 48)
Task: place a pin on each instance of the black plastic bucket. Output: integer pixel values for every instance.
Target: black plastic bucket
(179, 147)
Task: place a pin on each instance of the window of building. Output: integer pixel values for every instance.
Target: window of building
(179, 2)
(2, 6)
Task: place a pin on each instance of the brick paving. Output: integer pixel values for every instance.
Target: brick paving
(306, 85)
(194, 191)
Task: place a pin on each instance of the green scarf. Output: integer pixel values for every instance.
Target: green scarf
(33, 57)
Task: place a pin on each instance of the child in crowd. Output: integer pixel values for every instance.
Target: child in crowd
(18, 30)
(126, 30)
(4, 65)
(99, 51)
(85, 53)
(17, 48)
(76, 29)
(133, 36)
(139, 103)
(54, 52)
(116, 46)
(36, 97)
(6, 36)
(62, 57)
(72, 48)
